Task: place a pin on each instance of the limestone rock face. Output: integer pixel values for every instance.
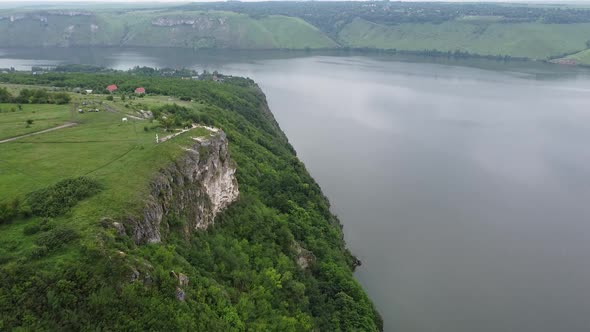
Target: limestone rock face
(193, 189)
(304, 256)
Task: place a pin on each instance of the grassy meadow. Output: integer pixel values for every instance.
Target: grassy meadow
(13, 118)
(121, 156)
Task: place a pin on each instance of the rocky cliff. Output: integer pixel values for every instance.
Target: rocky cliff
(189, 192)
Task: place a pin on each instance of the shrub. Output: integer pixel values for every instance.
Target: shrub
(10, 211)
(110, 98)
(56, 238)
(5, 96)
(6, 213)
(32, 229)
(61, 197)
(37, 252)
(61, 98)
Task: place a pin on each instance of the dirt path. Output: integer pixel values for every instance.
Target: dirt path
(65, 125)
(108, 108)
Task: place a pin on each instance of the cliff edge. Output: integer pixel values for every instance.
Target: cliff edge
(192, 189)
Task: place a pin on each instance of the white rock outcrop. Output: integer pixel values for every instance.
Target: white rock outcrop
(193, 189)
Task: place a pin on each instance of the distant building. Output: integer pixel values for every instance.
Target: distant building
(140, 91)
(217, 78)
(112, 88)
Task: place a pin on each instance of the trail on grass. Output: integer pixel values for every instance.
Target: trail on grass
(65, 125)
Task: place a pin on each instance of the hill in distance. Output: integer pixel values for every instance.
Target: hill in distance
(491, 30)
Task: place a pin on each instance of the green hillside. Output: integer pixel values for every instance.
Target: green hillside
(530, 40)
(505, 30)
(187, 29)
(582, 58)
(72, 199)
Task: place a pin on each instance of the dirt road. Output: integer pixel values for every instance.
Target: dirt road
(65, 125)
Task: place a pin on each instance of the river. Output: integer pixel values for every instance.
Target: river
(463, 186)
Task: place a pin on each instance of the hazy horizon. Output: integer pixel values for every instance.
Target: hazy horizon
(32, 2)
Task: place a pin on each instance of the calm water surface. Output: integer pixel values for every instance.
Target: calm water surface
(465, 191)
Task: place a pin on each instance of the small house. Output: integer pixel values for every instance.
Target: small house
(140, 91)
(112, 88)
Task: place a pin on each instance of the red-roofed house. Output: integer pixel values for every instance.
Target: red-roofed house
(112, 88)
(140, 91)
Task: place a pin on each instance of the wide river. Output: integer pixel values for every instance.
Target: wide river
(464, 187)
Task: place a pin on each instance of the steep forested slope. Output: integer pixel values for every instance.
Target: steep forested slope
(75, 253)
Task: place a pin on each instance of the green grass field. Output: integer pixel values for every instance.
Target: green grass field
(121, 156)
(13, 122)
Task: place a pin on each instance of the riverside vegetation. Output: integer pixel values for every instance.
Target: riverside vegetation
(542, 32)
(274, 260)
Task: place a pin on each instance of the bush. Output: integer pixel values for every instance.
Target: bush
(10, 211)
(61, 98)
(32, 229)
(37, 252)
(110, 98)
(61, 197)
(56, 238)
(5, 96)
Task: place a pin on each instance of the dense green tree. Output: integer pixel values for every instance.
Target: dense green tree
(5, 96)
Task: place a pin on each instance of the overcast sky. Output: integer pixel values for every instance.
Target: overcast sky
(177, 1)
(17, 3)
